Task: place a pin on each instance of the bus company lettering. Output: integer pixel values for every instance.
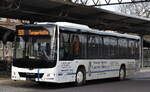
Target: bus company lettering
(100, 65)
(66, 65)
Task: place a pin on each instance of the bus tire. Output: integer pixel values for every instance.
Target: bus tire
(122, 73)
(80, 77)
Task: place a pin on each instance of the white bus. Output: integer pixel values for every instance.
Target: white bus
(65, 52)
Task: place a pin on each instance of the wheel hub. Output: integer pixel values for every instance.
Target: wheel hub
(79, 77)
(121, 74)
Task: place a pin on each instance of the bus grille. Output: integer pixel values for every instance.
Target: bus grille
(31, 75)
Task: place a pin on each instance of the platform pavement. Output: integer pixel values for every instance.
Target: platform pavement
(147, 69)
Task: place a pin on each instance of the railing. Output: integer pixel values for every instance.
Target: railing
(10, 3)
(106, 2)
(16, 3)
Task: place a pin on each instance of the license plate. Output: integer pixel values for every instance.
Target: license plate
(30, 79)
(30, 76)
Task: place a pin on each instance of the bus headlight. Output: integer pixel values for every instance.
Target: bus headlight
(14, 75)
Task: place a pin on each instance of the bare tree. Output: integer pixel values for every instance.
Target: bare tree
(140, 9)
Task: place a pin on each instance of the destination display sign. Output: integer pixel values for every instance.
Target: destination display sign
(22, 32)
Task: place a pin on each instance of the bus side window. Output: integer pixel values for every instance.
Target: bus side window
(137, 50)
(100, 43)
(113, 44)
(122, 43)
(106, 47)
(134, 49)
(61, 47)
(75, 46)
(65, 46)
(96, 47)
(83, 46)
(92, 46)
(89, 49)
(131, 46)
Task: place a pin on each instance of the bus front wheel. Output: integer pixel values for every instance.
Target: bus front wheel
(80, 77)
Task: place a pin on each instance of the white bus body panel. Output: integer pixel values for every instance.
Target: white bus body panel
(65, 71)
(96, 69)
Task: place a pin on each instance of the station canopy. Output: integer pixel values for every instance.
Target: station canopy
(60, 10)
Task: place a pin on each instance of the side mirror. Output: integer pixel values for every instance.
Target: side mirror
(8, 36)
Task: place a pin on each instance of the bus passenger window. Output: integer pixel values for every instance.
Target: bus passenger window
(92, 47)
(75, 46)
(61, 47)
(64, 48)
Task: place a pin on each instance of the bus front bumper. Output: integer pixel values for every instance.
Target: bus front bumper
(37, 75)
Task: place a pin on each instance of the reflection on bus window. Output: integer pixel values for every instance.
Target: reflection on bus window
(39, 48)
(70, 45)
(20, 47)
(75, 46)
(64, 46)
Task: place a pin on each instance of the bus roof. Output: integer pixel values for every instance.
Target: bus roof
(83, 28)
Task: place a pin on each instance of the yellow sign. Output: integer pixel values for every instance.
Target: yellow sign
(39, 32)
(21, 32)
(34, 32)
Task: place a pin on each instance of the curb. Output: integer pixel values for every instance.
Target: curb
(145, 70)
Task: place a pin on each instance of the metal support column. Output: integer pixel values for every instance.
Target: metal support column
(141, 52)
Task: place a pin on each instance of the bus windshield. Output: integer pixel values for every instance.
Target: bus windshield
(35, 48)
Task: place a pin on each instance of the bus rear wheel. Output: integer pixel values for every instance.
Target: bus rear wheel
(122, 73)
(80, 77)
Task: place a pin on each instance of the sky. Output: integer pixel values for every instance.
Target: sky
(110, 7)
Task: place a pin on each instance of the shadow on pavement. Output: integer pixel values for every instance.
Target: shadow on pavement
(29, 84)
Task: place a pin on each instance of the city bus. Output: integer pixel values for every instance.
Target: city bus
(65, 52)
